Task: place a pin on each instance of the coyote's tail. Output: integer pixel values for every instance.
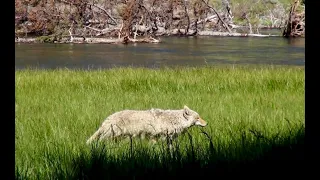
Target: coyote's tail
(102, 132)
(95, 136)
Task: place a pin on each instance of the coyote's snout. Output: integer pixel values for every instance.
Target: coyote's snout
(153, 123)
(201, 122)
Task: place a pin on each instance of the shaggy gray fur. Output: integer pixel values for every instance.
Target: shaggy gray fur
(153, 123)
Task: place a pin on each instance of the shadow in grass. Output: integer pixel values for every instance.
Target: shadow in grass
(248, 157)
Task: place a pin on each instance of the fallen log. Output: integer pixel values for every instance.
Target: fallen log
(77, 40)
(127, 39)
(25, 40)
(144, 40)
(212, 33)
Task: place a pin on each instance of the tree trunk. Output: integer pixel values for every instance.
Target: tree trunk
(295, 24)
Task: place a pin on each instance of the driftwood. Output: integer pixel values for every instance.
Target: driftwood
(211, 33)
(25, 40)
(127, 39)
(145, 40)
(74, 39)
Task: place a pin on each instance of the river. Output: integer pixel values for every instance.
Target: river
(172, 51)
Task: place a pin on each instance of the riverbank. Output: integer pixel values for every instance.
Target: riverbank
(126, 39)
(255, 118)
(145, 21)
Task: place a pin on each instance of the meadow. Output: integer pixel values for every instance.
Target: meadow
(255, 118)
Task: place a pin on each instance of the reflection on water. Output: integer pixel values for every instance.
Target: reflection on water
(192, 51)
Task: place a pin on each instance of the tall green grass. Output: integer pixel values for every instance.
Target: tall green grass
(254, 115)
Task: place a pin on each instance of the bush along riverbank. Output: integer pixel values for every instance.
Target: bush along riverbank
(255, 121)
(113, 21)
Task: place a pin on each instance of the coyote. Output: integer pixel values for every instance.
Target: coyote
(152, 123)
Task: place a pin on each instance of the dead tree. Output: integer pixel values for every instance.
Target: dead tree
(200, 11)
(215, 11)
(227, 11)
(295, 25)
(245, 16)
(187, 16)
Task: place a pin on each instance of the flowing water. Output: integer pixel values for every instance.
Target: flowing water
(182, 51)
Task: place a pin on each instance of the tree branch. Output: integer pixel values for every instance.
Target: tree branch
(218, 16)
(105, 11)
(102, 9)
(187, 15)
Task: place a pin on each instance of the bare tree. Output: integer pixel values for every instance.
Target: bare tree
(295, 24)
(215, 11)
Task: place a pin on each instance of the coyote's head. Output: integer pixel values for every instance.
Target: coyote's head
(193, 117)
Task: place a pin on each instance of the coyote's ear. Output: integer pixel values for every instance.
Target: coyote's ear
(186, 110)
